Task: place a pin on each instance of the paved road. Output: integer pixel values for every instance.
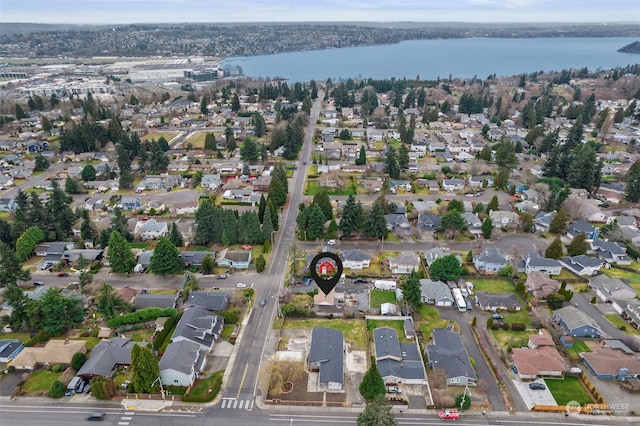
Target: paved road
(592, 311)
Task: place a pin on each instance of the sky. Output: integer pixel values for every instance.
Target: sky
(182, 11)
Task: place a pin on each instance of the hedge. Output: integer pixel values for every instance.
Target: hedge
(164, 333)
(142, 315)
(42, 336)
(518, 326)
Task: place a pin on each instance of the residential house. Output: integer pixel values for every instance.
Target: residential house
(9, 349)
(94, 203)
(436, 293)
(608, 289)
(238, 259)
(7, 204)
(610, 251)
(490, 261)
(355, 259)
(629, 309)
(495, 301)
(424, 207)
(107, 355)
(576, 323)
(130, 203)
(543, 361)
(210, 181)
(143, 261)
(428, 222)
(542, 220)
(473, 222)
(527, 206)
(578, 227)
(436, 253)
(150, 229)
(398, 224)
(200, 326)
(55, 351)
(632, 234)
(195, 258)
(535, 263)
(454, 184)
(405, 263)
(186, 208)
(127, 294)
(397, 362)
(181, 363)
(210, 300)
(5, 181)
(261, 183)
(540, 285)
(504, 219)
(582, 264)
(447, 353)
(610, 363)
(326, 355)
(148, 300)
(71, 256)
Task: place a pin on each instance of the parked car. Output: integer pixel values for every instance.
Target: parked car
(216, 288)
(263, 302)
(221, 276)
(449, 415)
(38, 283)
(497, 317)
(241, 285)
(360, 280)
(63, 274)
(96, 416)
(537, 386)
(393, 389)
(514, 369)
(46, 265)
(331, 242)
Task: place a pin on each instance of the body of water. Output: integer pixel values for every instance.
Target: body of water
(431, 59)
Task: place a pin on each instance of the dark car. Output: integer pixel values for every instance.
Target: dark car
(63, 274)
(38, 283)
(537, 386)
(360, 280)
(514, 369)
(96, 416)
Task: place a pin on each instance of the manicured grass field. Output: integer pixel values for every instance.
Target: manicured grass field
(313, 187)
(429, 319)
(493, 286)
(41, 380)
(578, 346)
(354, 330)
(167, 135)
(568, 389)
(208, 388)
(23, 337)
(378, 297)
(619, 322)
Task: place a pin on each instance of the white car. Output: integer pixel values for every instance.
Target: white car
(331, 242)
(241, 285)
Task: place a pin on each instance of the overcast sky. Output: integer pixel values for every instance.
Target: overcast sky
(162, 11)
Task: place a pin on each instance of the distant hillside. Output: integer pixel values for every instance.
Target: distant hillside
(631, 48)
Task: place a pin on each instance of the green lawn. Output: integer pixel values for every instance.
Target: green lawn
(226, 331)
(142, 336)
(493, 286)
(41, 380)
(23, 337)
(619, 322)
(578, 346)
(91, 342)
(568, 389)
(168, 136)
(207, 388)
(429, 319)
(631, 277)
(398, 325)
(378, 297)
(354, 330)
(313, 188)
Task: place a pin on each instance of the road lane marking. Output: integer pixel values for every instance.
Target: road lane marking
(246, 367)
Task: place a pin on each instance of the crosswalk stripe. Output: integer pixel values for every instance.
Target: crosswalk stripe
(126, 418)
(235, 403)
(123, 423)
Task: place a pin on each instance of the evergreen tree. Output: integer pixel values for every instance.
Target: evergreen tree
(486, 153)
(165, 259)
(11, 267)
(72, 186)
(203, 105)
(403, 158)
(372, 385)
(362, 157)
(176, 236)
(59, 313)
(391, 166)
(321, 199)
(411, 292)
(555, 249)
(207, 223)
(375, 225)
(632, 192)
(230, 139)
(59, 212)
(109, 302)
(445, 268)
(145, 369)
(262, 206)
(20, 114)
(249, 150)
(377, 413)
(505, 156)
(277, 194)
(88, 173)
(452, 222)
(315, 226)
(207, 265)
(87, 230)
(119, 222)
(273, 213)
(267, 227)
(259, 125)
(487, 228)
(579, 245)
(559, 223)
(455, 205)
(502, 178)
(41, 163)
(351, 220)
(120, 257)
(584, 168)
(210, 142)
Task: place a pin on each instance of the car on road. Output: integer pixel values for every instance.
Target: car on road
(331, 242)
(221, 276)
(514, 369)
(38, 283)
(63, 274)
(216, 288)
(241, 285)
(449, 415)
(46, 265)
(393, 389)
(96, 416)
(263, 302)
(537, 386)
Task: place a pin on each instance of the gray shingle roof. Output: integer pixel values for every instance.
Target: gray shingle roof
(327, 349)
(199, 325)
(575, 318)
(106, 355)
(155, 301)
(448, 353)
(355, 255)
(496, 300)
(386, 343)
(181, 356)
(210, 300)
(435, 290)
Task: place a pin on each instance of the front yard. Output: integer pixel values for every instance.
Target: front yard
(622, 324)
(41, 381)
(568, 389)
(632, 278)
(354, 330)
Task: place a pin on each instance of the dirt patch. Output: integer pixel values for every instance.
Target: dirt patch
(299, 395)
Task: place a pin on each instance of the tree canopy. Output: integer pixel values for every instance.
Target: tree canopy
(446, 268)
(165, 259)
(372, 385)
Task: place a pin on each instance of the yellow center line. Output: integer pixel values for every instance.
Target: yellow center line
(246, 367)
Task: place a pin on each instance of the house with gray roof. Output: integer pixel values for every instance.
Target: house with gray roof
(211, 181)
(582, 264)
(436, 293)
(151, 229)
(106, 355)
(398, 224)
(540, 285)
(239, 259)
(9, 349)
(435, 253)
(397, 362)
(129, 203)
(576, 323)
(144, 260)
(355, 259)
(629, 309)
(209, 300)
(195, 258)
(326, 355)
(149, 300)
(490, 261)
(608, 288)
(474, 224)
(578, 227)
(181, 363)
(494, 301)
(447, 352)
(610, 251)
(533, 262)
(405, 263)
(7, 204)
(542, 220)
(200, 326)
(453, 184)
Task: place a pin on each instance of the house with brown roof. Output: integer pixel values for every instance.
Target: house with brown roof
(610, 363)
(540, 285)
(544, 361)
(53, 352)
(127, 294)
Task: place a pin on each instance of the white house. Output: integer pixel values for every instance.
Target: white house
(355, 259)
(384, 284)
(150, 229)
(181, 363)
(450, 185)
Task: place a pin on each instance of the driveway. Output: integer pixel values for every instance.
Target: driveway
(8, 382)
(534, 397)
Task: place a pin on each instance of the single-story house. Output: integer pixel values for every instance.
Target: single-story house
(9, 349)
(435, 253)
(106, 355)
(200, 326)
(428, 222)
(239, 259)
(149, 300)
(326, 355)
(608, 288)
(494, 301)
(209, 300)
(582, 264)
(491, 260)
(544, 361)
(447, 352)
(398, 224)
(533, 262)
(405, 263)
(504, 219)
(397, 362)
(436, 293)
(127, 294)
(181, 363)
(7, 204)
(540, 285)
(543, 220)
(454, 184)
(53, 352)
(578, 227)
(576, 323)
(629, 309)
(609, 363)
(610, 251)
(195, 258)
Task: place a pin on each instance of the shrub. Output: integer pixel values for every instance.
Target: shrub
(231, 317)
(490, 323)
(78, 360)
(142, 315)
(164, 333)
(518, 326)
(260, 263)
(102, 387)
(505, 326)
(42, 336)
(11, 369)
(58, 389)
(464, 405)
(58, 368)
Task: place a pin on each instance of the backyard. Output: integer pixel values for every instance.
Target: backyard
(578, 346)
(354, 330)
(632, 278)
(378, 297)
(429, 318)
(397, 325)
(568, 389)
(493, 286)
(510, 337)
